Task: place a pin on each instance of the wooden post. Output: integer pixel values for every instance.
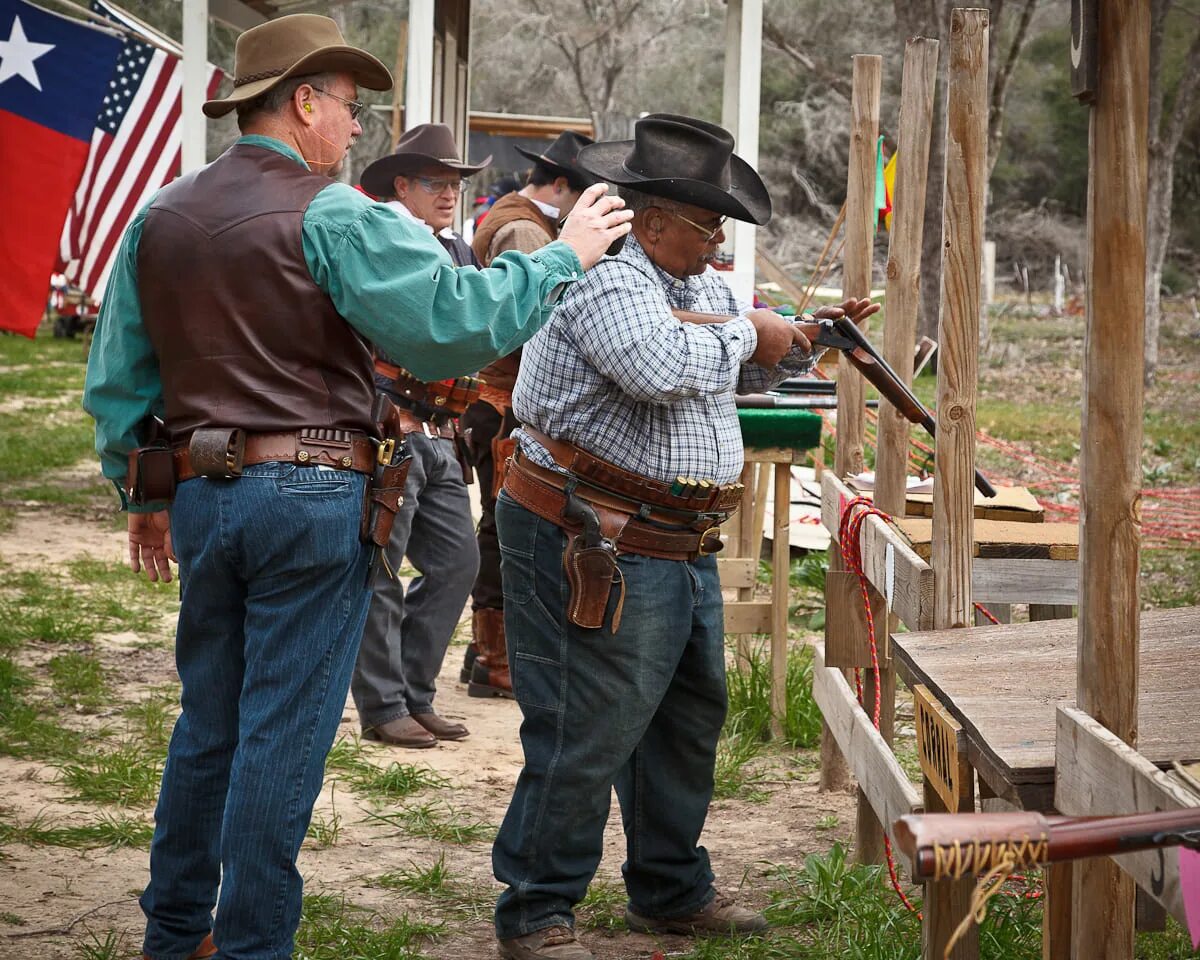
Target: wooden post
(780, 556)
(947, 902)
(860, 241)
(398, 80)
(1110, 452)
(902, 299)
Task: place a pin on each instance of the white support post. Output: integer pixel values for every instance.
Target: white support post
(418, 87)
(739, 115)
(195, 69)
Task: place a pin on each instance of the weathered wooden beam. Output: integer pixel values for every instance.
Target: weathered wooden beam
(1096, 774)
(958, 374)
(1111, 439)
(876, 768)
(780, 553)
(748, 616)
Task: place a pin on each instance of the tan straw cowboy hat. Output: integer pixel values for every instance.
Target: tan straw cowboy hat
(295, 46)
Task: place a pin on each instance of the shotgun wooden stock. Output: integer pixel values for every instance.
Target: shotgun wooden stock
(940, 845)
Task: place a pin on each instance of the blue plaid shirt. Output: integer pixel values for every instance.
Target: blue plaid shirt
(614, 372)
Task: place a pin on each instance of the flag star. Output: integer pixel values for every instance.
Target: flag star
(17, 54)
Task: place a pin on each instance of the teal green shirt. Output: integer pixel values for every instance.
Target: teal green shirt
(386, 275)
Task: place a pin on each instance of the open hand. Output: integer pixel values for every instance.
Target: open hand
(150, 544)
(856, 309)
(595, 222)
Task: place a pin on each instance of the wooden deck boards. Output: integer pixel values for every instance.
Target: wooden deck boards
(1003, 685)
(1002, 539)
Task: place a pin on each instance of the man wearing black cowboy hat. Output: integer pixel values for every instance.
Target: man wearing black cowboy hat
(628, 461)
(407, 633)
(525, 220)
(239, 311)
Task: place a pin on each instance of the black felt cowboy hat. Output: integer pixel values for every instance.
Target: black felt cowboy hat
(424, 144)
(560, 157)
(683, 159)
(294, 46)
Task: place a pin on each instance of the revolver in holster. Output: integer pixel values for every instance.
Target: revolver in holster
(385, 490)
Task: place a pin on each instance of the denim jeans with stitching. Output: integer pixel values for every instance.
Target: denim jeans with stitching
(274, 595)
(640, 710)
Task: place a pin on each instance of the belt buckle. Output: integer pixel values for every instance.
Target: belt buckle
(710, 542)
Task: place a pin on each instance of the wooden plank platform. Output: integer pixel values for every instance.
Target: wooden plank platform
(1003, 685)
(1015, 504)
(1002, 539)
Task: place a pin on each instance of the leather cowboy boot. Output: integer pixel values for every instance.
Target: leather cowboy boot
(489, 675)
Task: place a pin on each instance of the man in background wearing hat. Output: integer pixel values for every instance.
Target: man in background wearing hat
(406, 636)
(525, 221)
(608, 520)
(240, 311)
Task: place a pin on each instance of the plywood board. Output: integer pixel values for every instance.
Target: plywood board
(1098, 774)
(1010, 503)
(1003, 685)
(1002, 539)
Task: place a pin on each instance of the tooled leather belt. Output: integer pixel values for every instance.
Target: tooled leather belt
(324, 448)
(543, 492)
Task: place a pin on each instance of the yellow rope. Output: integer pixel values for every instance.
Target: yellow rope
(989, 885)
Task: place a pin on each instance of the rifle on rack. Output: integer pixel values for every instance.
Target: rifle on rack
(843, 334)
(955, 845)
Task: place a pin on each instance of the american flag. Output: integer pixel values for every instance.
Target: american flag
(135, 150)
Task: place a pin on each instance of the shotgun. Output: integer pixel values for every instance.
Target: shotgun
(843, 334)
(954, 845)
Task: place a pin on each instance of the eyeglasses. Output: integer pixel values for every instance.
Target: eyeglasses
(354, 105)
(709, 232)
(436, 186)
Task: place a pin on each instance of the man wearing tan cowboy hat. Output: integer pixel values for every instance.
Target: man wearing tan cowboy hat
(406, 637)
(526, 221)
(240, 311)
(628, 462)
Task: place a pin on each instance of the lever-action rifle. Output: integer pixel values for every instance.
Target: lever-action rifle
(843, 334)
(954, 845)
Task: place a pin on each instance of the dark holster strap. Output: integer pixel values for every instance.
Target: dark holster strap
(357, 453)
(541, 491)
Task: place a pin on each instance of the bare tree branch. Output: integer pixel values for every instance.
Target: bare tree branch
(1185, 95)
(778, 39)
(1001, 82)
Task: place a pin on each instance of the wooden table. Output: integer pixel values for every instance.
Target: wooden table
(1004, 683)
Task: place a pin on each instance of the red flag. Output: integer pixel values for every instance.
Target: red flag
(135, 149)
(53, 73)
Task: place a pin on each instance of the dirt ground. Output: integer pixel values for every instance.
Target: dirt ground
(54, 898)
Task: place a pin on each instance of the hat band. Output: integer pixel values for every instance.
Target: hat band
(263, 75)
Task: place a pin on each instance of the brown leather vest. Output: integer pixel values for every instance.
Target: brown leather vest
(510, 207)
(244, 336)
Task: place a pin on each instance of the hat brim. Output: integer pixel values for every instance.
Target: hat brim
(558, 169)
(366, 70)
(378, 176)
(746, 198)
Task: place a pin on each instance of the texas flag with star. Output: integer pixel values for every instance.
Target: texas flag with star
(54, 71)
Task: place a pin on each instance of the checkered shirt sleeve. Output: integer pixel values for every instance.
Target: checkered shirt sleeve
(614, 372)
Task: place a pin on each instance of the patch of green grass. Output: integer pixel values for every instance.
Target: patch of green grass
(396, 781)
(332, 929)
(1171, 577)
(1172, 944)
(27, 733)
(128, 776)
(152, 720)
(749, 691)
(13, 680)
(35, 443)
(11, 919)
(732, 776)
(453, 895)
(434, 821)
(104, 831)
(79, 680)
(827, 822)
(603, 907)
(111, 946)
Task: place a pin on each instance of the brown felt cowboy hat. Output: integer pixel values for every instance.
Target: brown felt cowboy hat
(424, 144)
(561, 156)
(295, 46)
(683, 159)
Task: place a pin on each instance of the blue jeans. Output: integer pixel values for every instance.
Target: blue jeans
(640, 710)
(274, 596)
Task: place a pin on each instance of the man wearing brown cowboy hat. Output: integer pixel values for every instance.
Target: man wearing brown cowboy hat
(407, 633)
(608, 520)
(525, 221)
(240, 311)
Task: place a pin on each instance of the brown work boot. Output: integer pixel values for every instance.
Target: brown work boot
(489, 675)
(206, 949)
(441, 728)
(402, 732)
(721, 917)
(553, 943)
(464, 675)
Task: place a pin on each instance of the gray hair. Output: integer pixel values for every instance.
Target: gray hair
(637, 201)
(279, 96)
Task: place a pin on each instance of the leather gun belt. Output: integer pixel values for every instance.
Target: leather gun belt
(544, 492)
(339, 449)
(435, 401)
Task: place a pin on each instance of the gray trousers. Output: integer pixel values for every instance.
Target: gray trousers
(406, 635)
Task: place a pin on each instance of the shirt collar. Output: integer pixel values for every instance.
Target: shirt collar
(405, 212)
(550, 211)
(682, 293)
(270, 143)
